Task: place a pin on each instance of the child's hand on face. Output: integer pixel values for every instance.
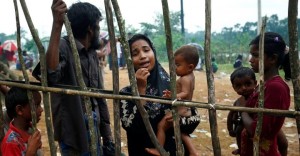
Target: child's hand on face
(141, 79)
(34, 143)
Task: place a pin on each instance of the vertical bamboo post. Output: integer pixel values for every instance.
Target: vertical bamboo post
(165, 8)
(131, 73)
(294, 57)
(2, 134)
(46, 95)
(210, 81)
(29, 93)
(256, 137)
(115, 73)
(87, 101)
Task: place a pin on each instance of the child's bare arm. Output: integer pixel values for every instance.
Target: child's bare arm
(230, 123)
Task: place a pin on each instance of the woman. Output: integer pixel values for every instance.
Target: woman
(152, 80)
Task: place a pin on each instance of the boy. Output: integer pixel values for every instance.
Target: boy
(186, 59)
(18, 139)
(243, 81)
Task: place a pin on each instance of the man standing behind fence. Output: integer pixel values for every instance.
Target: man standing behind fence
(68, 111)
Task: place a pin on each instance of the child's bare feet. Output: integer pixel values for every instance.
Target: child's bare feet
(152, 151)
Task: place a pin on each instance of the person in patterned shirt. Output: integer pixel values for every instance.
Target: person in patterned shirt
(20, 139)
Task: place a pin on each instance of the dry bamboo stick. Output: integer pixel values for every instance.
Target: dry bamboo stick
(210, 81)
(2, 134)
(46, 96)
(168, 33)
(29, 93)
(256, 137)
(115, 73)
(87, 102)
(205, 105)
(132, 80)
(293, 52)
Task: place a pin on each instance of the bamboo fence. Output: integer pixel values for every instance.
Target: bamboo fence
(210, 105)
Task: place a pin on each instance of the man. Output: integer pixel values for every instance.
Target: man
(68, 111)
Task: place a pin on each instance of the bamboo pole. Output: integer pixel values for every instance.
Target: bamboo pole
(256, 137)
(87, 101)
(29, 93)
(294, 55)
(46, 95)
(2, 134)
(210, 81)
(168, 33)
(115, 73)
(205, 105)
(132, 80)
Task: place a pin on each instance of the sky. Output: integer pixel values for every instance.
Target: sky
(225, 13)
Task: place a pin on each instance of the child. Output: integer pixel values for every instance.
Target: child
(18, 140)
(186, 59)
(243, 81)
(276, 96)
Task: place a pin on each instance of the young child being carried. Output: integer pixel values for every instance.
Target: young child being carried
(186, 59)
(244, 82)
(18, 139)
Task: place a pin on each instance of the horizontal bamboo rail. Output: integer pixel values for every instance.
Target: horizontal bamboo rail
(276, 112)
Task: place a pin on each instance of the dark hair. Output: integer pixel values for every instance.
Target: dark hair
(15, 96)
(242, 72)
(240, 57)
(189, 53)
(141, 37)
(213, 59)
(275, 45)
(81, 16)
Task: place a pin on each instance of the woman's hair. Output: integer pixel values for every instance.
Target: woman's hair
(141, 37)
(81, 16)
(242, 72)
(189, 53)
(275, 45)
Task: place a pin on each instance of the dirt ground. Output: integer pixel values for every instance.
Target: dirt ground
(201, 136)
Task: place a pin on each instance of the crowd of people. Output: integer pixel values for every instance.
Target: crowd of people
(69, 114)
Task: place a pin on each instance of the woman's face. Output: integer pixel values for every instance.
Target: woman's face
(142, 55)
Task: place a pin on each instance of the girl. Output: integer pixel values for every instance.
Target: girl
(152, 79)
(276, 96)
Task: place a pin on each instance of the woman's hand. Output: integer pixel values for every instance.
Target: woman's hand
(167, 93)
(141, 80)
(166, 122)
